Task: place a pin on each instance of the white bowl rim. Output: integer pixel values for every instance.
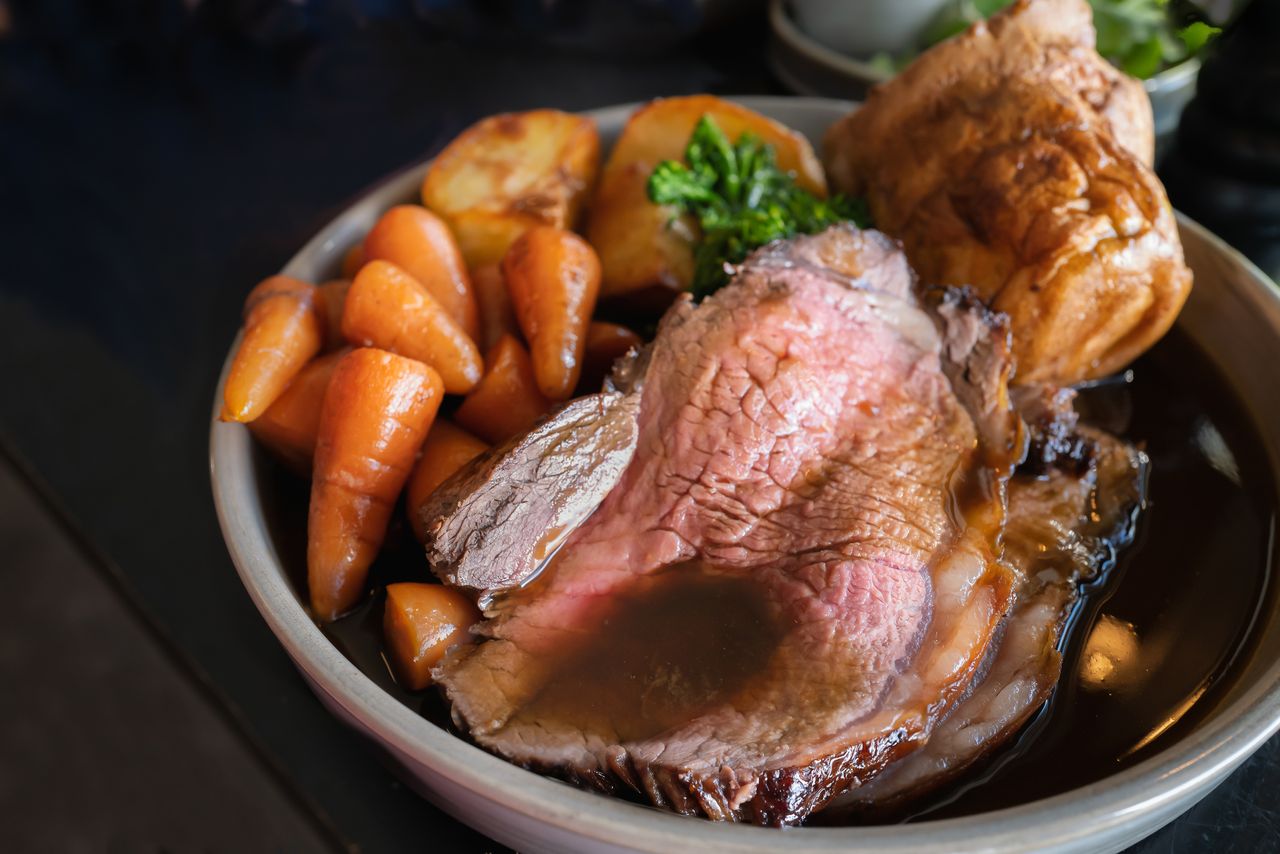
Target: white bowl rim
(1195, 762)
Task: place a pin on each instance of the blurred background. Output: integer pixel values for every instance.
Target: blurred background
(158, 157)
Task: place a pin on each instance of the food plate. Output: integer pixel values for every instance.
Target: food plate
(1233, 315)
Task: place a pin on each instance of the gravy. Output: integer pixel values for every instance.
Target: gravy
(661, 657)
(1150, 650)
(1156, 640)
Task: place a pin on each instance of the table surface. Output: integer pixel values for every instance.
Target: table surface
(153, 166)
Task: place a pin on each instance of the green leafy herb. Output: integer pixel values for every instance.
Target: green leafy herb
(1196, 35)
(741, 200)
(1138, 36)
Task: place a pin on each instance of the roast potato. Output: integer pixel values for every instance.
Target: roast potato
(508, 173)
(642, 245)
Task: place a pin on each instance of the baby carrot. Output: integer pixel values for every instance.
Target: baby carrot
(289, 425)
(507, 401)
(332, 296)
(605, 344)
(554, 277)
(376, 412)
(420, 623)
(282, 331)
(448, 448)
(418, 242)
(353, 261)
(497, 318)
(388, 308)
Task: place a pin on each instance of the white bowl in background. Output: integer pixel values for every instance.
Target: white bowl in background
(866, 27)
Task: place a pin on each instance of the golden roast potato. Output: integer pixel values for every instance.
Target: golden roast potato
(643, 245)
(508, 173)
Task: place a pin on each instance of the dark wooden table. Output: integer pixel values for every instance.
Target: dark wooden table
(154, 164)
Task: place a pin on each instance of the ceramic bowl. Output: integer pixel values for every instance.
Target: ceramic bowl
(811, 67)
(865, 27)
(1234, 314)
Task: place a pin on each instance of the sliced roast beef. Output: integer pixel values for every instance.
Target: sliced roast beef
(508, 512)
(1052, 424)
(978, 359)
(793, 579)
(496, 522)
(1064, 524)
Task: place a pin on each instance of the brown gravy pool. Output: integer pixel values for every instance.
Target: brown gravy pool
(1148, 654)
(680, 647)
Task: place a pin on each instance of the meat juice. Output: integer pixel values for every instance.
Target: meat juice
(1156, 640)
(1148, 652)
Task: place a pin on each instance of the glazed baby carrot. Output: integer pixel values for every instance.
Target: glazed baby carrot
(420, 623)
(377, 410)
(388, 308)
(282, 331)
(289, 425)
(353, 261)
(553, 276)
(605, 344)
(418, 242)
(332, 297)
(448, 448)
(507, 401)
(497, 318)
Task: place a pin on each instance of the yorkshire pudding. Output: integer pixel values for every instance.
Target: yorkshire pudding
(1015, 160)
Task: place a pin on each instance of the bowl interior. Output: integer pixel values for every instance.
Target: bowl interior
(1233, 315)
